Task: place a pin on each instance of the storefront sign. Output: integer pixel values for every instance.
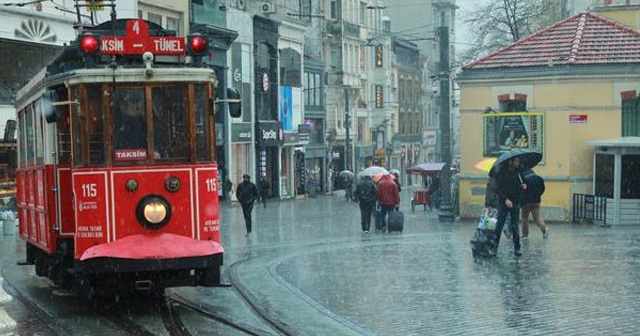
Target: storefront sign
(240, 132)
(269, 133)
(291, 138)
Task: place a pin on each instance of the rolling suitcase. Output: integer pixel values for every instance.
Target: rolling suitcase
(396, 221)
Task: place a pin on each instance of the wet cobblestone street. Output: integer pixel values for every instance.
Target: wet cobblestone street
(308, 267)
(424, 281)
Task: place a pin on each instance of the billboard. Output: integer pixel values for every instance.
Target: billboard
(504, 131)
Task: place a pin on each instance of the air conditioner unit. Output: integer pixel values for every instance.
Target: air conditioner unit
(267, 7)
(240, 4)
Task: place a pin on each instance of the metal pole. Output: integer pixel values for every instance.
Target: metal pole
(446, 212)
(347, 125)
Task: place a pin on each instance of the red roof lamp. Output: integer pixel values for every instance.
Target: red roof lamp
(89, 44)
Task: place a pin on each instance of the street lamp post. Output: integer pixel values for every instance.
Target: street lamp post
(347, 125)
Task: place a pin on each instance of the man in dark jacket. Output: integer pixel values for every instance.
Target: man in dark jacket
(247, 194)
(509, 187)
(531, 199)
(388, 197)
(366, 194)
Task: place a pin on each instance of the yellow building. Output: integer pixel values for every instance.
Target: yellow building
(570, 78)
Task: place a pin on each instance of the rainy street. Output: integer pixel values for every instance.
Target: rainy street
(309, 269)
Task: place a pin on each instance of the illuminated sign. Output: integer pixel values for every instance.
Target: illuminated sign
(137, 41)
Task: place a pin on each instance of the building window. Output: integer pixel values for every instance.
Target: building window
(363, 12)
(174, 24)
(334, 9)
(155, 18)
(313, 89)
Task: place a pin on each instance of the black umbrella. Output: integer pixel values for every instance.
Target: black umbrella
(528, 159)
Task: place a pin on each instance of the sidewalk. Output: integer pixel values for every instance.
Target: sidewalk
(7, 324)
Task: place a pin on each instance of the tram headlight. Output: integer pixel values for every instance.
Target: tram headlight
(153, 212)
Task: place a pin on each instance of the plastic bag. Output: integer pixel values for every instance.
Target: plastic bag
(488, 219)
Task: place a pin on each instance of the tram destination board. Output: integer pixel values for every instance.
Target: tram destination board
(137, 41)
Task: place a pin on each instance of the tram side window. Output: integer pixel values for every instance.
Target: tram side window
(30, 135)
(95, 127)
(129, 124)
(64, 130)
(39, 134)
(202, 122)
(78, 158)
(170, 129)
(23, 138)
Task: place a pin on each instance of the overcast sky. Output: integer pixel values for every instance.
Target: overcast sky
(462, 30)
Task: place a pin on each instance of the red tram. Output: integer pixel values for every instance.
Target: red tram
(116, 179)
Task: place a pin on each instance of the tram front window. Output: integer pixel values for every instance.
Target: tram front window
(130, 128)
(169, 122)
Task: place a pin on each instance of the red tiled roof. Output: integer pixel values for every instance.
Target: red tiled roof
(585, 38)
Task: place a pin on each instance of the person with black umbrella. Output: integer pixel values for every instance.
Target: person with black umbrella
(509, 186)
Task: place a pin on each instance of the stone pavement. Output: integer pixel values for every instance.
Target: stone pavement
(309, 266)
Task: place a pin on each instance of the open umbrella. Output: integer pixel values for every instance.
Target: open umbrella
(485, 164)
(394, 172)
(429, 168)
(346, 174)
(528, 159)
(375, 172)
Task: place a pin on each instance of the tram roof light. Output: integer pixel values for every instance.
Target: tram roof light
(197, 44)
(89, 44)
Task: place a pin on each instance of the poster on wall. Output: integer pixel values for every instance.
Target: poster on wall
(505, 131)
(290, 107)
(286, 107)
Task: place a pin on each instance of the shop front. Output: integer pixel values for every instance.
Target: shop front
(240, 161)
(269, 137)
(315, 163)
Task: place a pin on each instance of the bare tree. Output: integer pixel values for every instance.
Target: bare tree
(500, 23)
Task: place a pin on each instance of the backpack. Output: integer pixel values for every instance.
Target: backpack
(368, 192)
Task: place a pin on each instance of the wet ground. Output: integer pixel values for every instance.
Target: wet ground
(309, 266)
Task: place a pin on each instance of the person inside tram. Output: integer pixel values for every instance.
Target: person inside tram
(130, 129)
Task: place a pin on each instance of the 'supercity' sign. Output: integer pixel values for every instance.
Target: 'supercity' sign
(269, 133)
(137, 41)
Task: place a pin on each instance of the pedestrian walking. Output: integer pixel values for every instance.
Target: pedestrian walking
(227, 187)
(247, 193)
(348, 188)
(388, 197)
(264, 190)
(509, 186)
(397, 181)
(531, 199)
(366, 195)
(492, 200)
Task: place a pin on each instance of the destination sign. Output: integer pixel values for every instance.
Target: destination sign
(137, 41)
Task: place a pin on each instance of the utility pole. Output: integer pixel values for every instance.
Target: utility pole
(446, 211)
